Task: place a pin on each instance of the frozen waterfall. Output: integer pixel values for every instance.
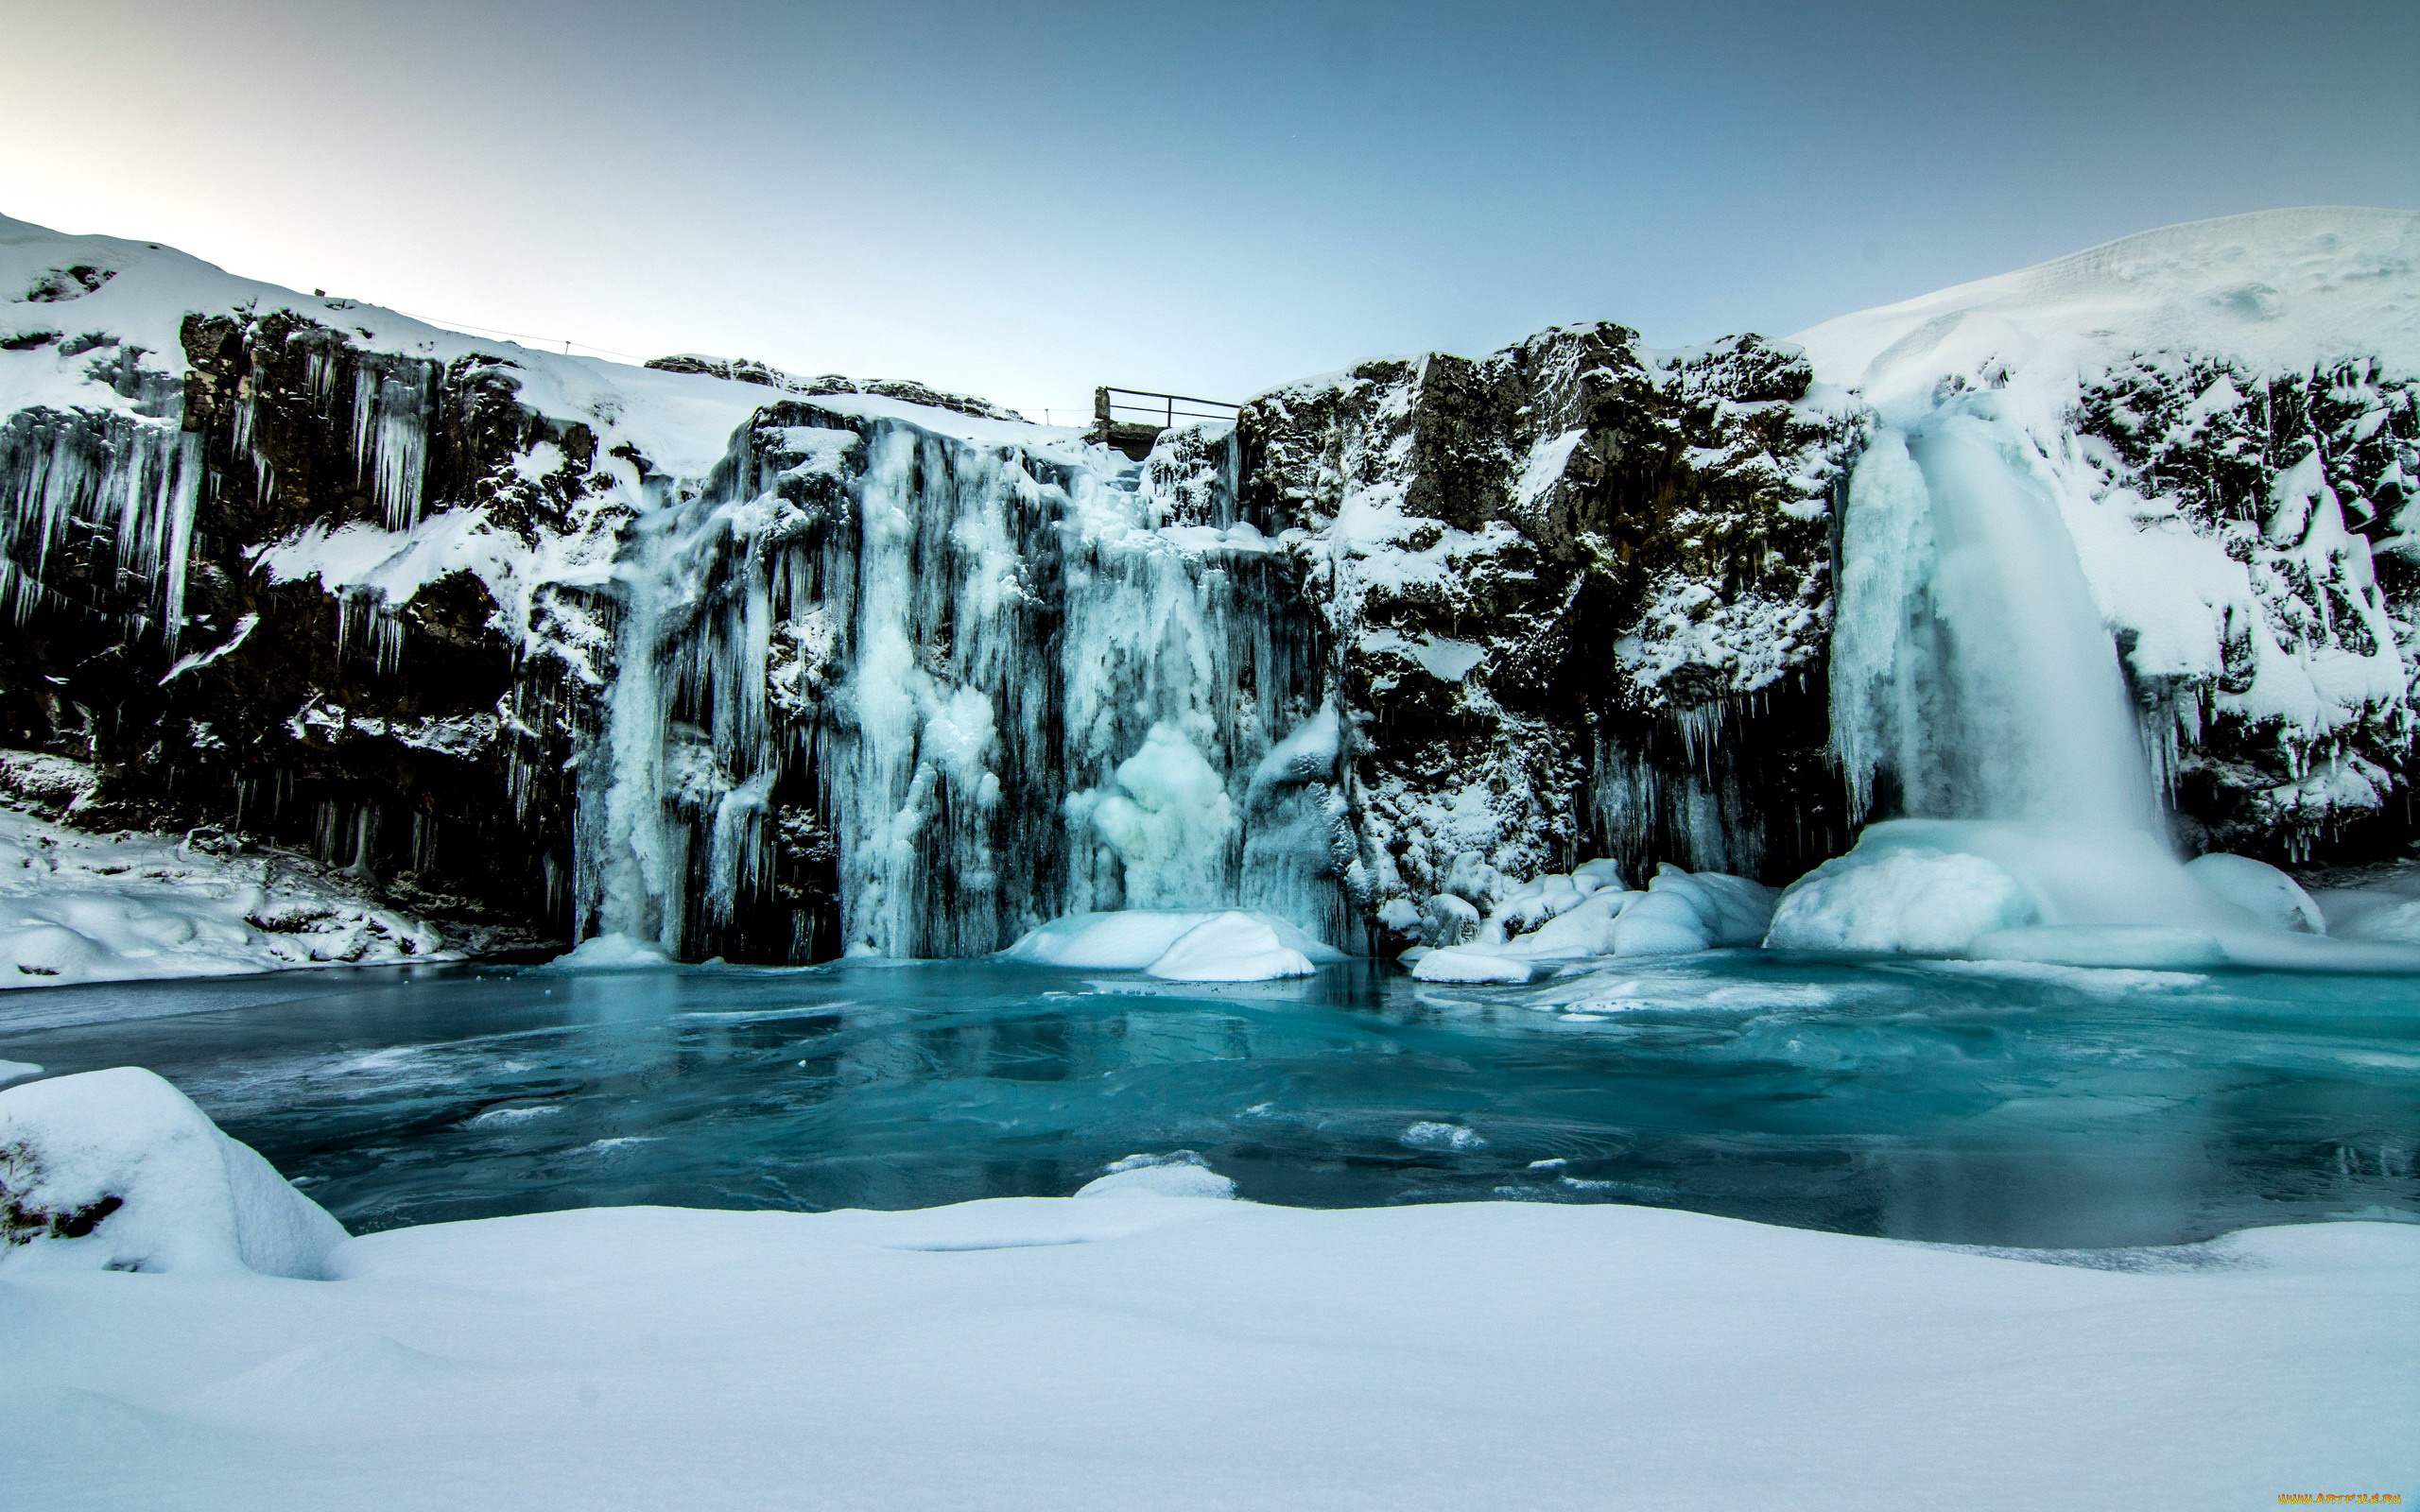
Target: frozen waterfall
(1970, 660)
(1977, 689)
(930, 692)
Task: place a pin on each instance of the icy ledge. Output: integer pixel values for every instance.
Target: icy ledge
(1147, 1349)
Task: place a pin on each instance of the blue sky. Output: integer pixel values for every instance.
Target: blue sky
(1024, 202)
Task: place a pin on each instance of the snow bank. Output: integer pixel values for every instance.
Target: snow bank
(116, 1170)
(1041, 1353)
(1136, 939)
(2277, 288)
(1232, 947)
(78, 908)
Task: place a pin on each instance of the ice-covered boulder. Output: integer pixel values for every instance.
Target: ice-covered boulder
(117, 1170)
(1586, 928)
(1449, 921)
(1231, 946)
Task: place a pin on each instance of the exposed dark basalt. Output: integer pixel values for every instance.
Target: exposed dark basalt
(418, 745)
(1616, 611)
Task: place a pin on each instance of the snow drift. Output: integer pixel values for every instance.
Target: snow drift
(116, 1170)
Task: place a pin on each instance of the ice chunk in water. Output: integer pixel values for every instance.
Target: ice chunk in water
(1469, 966)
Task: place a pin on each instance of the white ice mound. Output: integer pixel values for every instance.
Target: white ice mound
(1232, 947)
(1134, 939)
(2066, 894)
(1913, 901)
(117, 1170)
(2261, 889)
(610, 952)
(1693, 911)
(1177, 1173)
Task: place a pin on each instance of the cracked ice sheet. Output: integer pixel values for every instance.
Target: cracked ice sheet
(1150, 1352)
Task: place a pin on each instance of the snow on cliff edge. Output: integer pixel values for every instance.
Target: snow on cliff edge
(2280, 289)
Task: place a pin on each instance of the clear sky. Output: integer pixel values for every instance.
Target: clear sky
(1024, 200)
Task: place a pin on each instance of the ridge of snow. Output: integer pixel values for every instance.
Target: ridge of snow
(2274, 289)
(682, 422)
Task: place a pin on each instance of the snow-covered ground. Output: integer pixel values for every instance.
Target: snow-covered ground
(1129, 1348)
(80, 907)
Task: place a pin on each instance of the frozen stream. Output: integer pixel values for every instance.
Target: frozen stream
(1938, 1101)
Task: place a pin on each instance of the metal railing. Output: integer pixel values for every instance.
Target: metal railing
(1114, 408)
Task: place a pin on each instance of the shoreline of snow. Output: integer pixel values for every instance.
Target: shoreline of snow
(1143, 1350)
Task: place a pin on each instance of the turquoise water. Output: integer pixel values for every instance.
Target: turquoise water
(1975, 1105)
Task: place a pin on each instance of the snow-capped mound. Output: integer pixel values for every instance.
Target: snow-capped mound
(117, 1170)
(1233, 947)
(2279, 288)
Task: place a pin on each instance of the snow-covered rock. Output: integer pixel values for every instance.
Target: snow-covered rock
(117, 1170)
(1913, 899)
(1465, 964)
(2259, 890)
(80, 907)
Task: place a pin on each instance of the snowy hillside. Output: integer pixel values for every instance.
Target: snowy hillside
(2276, 290)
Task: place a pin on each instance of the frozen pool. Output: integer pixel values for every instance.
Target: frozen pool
(1967, 1104)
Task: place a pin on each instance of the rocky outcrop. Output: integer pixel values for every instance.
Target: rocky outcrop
(2298, 744)
(749, 664)
(1579, 593)
(748, 370)
(171, 631)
